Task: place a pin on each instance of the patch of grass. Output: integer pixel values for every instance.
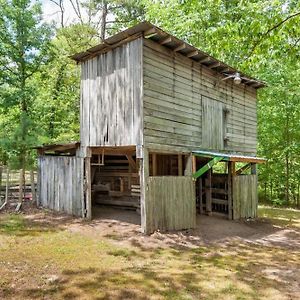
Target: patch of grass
(11, 224)
(280, 216)
(122, 252)
(93, 267)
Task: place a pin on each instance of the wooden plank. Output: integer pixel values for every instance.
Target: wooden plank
(180, 166)
(229, 190)
(208, 192)
(111, 97)
(171, 203)
(145, 201)
(162, 71)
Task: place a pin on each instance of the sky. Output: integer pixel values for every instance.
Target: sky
(51, 11)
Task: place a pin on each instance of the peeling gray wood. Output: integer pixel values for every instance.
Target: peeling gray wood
(170, 203)
(61, 183)
(111, 99)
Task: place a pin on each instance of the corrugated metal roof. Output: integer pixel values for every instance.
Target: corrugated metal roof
(156, 34)
(230, 156)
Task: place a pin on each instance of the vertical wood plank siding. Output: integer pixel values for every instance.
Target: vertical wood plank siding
(212, 124)
(111, 97)
(170, 203)
(245, 198)
(61, 184)
(175, 89)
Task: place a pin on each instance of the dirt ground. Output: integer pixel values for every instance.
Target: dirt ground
(125, 226)
(220, 259)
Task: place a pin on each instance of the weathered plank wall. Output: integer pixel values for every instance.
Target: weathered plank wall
(175, 89)
(244, 196)
(111, 97)
(212, 124)
(60, 184)
(170, 203)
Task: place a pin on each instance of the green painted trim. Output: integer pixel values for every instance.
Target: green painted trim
(208, 166)
(210, 156)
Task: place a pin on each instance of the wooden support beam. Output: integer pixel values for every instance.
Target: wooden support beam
(144, 174)
(205, 59)
(154, 164)
(243, 169)
(215, 65)
(88, 190)
(253, 169)
(229, 190)
(233, 169)
(194, 164)
(200, 196)
(193, 53)
(208, 193)
(150, 32)
(166, 40)
(180, 47)
(180, 170)
(207, 167)
(131, 161)
(188, 166)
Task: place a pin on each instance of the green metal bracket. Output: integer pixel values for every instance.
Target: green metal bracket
(209, 165)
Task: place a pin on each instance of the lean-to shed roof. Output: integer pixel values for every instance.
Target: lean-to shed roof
(152, 32)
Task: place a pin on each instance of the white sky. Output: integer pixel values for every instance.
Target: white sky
(51, 12)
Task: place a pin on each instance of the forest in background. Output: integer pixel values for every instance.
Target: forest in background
(39, 83)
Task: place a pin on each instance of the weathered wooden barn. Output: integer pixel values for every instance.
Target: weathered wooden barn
(165, 129)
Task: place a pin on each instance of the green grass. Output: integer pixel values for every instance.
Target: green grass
(280, 216)
(93, 267)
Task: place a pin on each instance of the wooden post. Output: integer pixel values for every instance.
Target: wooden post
(200, 195)
(7, 185)
(21, 185)
(88, 191)
(194, 164)
(180, 171)
(229, 190)
(208, 193)
(144, 174)
(154, 164)
(33, 193)
(253, 168)
(188, 166)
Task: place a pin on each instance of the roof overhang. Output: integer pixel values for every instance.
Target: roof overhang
(59, 148)
(230, 157)
(152, 32)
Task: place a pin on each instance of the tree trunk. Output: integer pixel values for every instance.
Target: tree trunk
(103, 20)
(21, 185)
(1, 170)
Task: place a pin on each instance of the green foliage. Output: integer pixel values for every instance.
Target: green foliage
(24, 44)
(260, 38)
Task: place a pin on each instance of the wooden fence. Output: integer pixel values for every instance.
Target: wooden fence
(9, 186)
(60, 184)
(245, 198)
(170, 203)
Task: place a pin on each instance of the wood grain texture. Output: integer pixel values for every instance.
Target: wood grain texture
(184, 105)
(111, 97)
(61, 184)
(170, 203)
(245, 197)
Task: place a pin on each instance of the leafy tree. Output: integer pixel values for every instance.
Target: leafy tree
(24, 44)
